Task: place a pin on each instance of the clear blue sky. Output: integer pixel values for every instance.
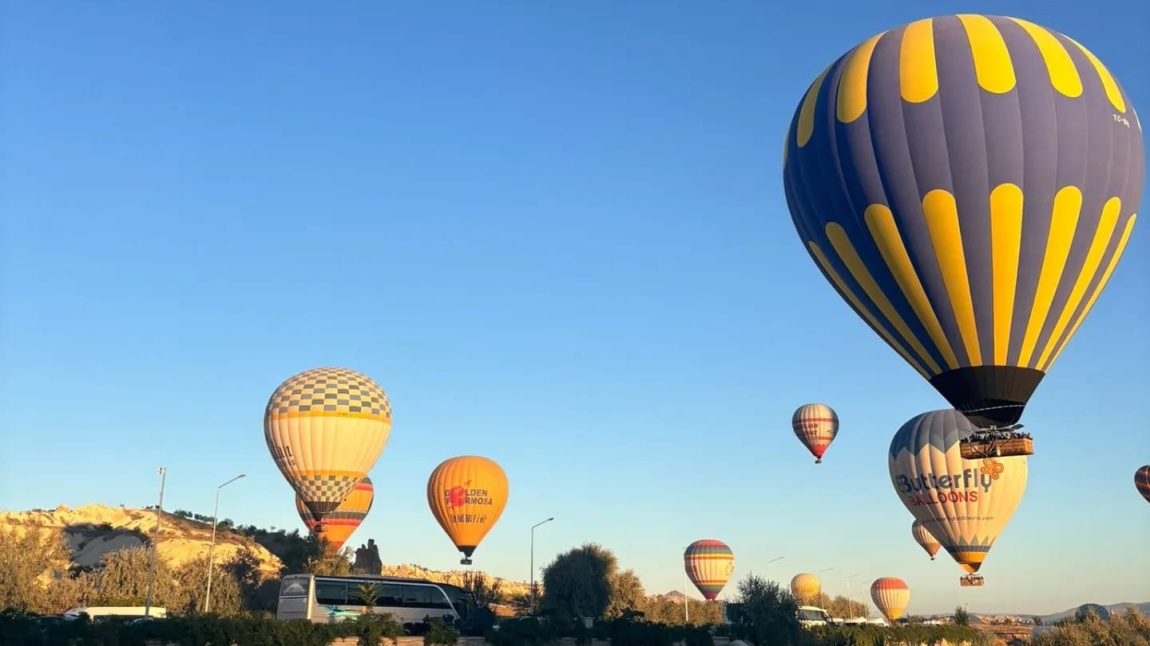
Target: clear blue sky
(555, 233)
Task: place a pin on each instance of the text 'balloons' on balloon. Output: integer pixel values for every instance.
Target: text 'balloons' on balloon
(467, 494)
(816, 426)
(325, 429)
(709, 564)
(891, 596)
(806, 587)
(339, 524)
(924, 538)
(1142, 481)
(967, 184)
(964, 504)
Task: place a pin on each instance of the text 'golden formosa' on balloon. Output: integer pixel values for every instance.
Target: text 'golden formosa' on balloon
(340, 524)
(925, 539)
(914, 205)
(467, 494)
(709, 564)
(964, 504)
(325, 429)
(891, 596)
(806, 587)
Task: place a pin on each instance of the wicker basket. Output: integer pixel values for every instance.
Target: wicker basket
(976, 450)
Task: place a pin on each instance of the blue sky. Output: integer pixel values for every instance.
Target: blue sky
(555, 233)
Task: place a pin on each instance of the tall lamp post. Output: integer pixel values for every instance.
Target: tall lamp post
(542, 522)
(212, 545)
(767, 567)
(155, 544)
(850, 599)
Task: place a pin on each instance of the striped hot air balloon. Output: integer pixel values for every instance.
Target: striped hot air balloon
(924, 538)
(325, 429)
(816, 426)
(709, 565)
(339, 525)
(967, 184)
(806, 587)
(965, 504)
(891, 596)
(1142, 481)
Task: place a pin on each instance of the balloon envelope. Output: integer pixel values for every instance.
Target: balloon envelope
(924, 538)
(1142, 481)
(340, 524)
(891, 596)
(806, 587)
(467, 495)
(965, 504)
(325, 429)
(709, 564)
(967, 184)
(816, 426)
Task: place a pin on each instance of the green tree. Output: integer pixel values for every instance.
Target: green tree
(841, 607)
(122, 579)
(328, 563)
(1122, 629)
(627, 594)
(368, 594)
(578, 583)
(961, 616)
(484, 589)
(189, 589)
(36, 573)
(770, 614)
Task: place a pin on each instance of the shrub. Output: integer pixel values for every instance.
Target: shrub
(440, 633)
(881, 635)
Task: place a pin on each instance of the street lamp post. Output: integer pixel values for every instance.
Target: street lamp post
(155, 544)
(212, 545)
(542, 522)
(767, 567)
(850, 599)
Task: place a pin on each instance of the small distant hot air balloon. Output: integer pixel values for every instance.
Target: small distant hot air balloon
(1142, 481)
(806, 587)
(338, 525)
(709, 564)
(816, 426)
(467, 494)
(964, 504)
(891, 596)
(924, 538)
(967, 184)
(325, 429)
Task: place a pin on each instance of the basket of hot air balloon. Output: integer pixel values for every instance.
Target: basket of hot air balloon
(972, 580)
(968, 184)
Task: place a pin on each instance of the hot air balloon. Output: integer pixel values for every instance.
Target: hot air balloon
(965, 504)
(891, 596)
(816, 426)
(709, 564)
(806, 587)
(339, 525)
(326, 428)
(924, 538)
(467, 494)
(1142, 481)
(968, 184)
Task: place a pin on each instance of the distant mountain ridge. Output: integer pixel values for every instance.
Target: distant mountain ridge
(94, 530)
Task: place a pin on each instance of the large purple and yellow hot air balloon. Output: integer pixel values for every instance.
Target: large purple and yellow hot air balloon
(965, 504)
(340, 524)
(709, 565)
(325, 429)
(816, 426)
(1142, 481)
(967, 184)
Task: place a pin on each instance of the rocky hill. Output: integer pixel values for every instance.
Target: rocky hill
(94, 530)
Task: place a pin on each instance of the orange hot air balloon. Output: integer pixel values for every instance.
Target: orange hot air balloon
(467, 495)
(924, 538)
(339, 525)
(709, 565)
(806, 587)
(891, 596)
